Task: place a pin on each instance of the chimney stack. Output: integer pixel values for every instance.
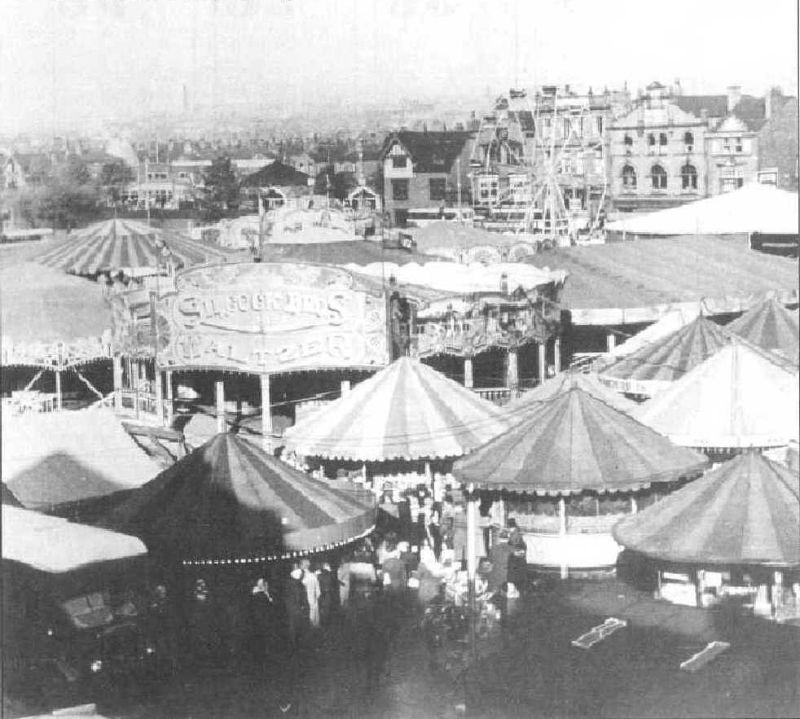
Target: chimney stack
(734, 96)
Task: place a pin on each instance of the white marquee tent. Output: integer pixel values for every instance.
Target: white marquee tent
(753, 208)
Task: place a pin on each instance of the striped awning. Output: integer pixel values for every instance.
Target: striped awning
(745, 512)
(115, 245)
(656, 365)
(406, 411)
(555, 387)
(740, 397)
(771, 326)
(577, 443)
(228, 501)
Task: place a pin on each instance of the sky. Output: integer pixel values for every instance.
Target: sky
(73, 62)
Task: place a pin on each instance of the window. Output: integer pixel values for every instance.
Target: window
(399, 189)
(437, 188)
(658, 177)
(400, 218)
(399, 161)
(628, 141)
(628, 178)
(688, 140)
(566, 126)
(688, 177)
(662, 139)
(599, 121)
(651, 143)
(738, 144)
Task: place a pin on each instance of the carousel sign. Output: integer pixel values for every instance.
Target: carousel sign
(271, 317)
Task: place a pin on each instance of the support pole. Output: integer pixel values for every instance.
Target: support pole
(611, 341)
(776, 593)
(59, 403)
(542, 362)
(220, 402)
(513, 372)
(634, 505)
(159, 392)
(472, 527)
(117, 364)
(266, 414)
(469, 379)
(557, 354)
(135, 379)
(170, 400)
(562, 533)
(345, 387)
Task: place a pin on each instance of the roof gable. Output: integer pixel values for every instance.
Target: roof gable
(431, 151)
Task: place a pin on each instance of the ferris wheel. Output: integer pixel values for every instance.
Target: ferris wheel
(570, 180)
(541, 164)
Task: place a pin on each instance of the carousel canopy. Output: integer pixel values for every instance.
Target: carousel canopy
(51, 319)
(230, 500)
(52, 544)
(555, 387)
(577, 443)
(770, 326)
(670, 323)
(406, 411)
(114, 245)
(740, 397)
(747, 511)
(655, 366)
(59, 457)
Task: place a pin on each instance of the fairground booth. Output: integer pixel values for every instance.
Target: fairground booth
(232, 338)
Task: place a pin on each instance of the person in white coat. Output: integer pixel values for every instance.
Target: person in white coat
(311, 583)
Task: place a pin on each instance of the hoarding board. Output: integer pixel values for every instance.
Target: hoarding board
(271, 317)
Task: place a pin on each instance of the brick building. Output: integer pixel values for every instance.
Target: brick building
(672, 148)
(424, 169)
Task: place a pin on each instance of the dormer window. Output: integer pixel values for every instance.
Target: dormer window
(399, 161)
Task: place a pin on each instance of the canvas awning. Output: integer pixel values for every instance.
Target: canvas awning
(577, 443)
(58, 457)
(655, 366)
(228, 501)
(770, 326)
(465, 279)
(50, 319)
(739, 397)
(744, 512)
(52, 544)
(555, 387)
(406, 411)
(115, 245)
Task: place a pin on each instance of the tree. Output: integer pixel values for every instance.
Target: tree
(113, 177)
(222, 188)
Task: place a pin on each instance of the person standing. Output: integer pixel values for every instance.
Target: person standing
(311, 583)
(297, 610)
(264, 621)
(343, 575)
(327, 594)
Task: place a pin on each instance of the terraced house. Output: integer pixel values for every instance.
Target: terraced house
(424, 169)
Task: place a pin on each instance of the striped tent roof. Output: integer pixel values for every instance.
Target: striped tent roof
(771, 326)
(740, 397)
(556, 386)
(123, 244)
(573, 444)
(230, 500)
(656, 365)
(746, 511)
(406, 411)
